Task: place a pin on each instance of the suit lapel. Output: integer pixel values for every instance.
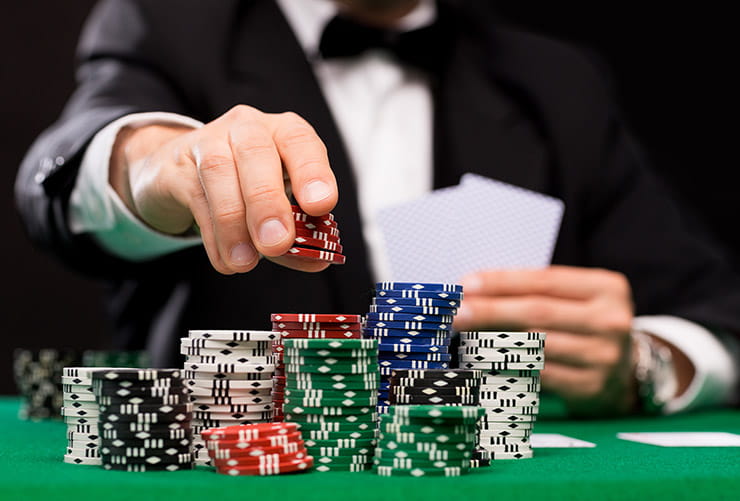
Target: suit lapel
(270, 72)
(480, 124)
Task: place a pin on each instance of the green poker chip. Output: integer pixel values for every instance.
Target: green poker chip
(464, 412)
(338, 452)
(337, 427)
(333, 369)
(347, 344)
(331, 393)
(389, 471)
(332, 402)
(366, 459)
(421, 463)
(319, 418)
(438, 454)
(342, 443)
(335, 378)
(327, 411)
(323, 353)
(322, 468)
(391, 427)
(336, 435)
(330, 386)
(442, 438)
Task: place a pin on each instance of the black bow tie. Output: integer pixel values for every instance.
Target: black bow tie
(344, 37)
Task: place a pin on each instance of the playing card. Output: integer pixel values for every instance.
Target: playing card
(684, 439)
(477, 225)
(556, 440)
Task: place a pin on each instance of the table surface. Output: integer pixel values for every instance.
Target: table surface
(31, 468)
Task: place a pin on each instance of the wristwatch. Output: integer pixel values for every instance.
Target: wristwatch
(655, 373)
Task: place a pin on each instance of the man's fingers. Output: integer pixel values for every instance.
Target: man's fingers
(202, 214)
(572, 383)
(305, 158)
(540, 313)
(579, 350)
(260, 177)
(557, 281)
(300, 264)
(218, 178)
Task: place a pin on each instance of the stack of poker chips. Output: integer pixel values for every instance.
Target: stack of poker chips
(257, 449)
(426, 440)
(439, 387)
(331, 392)
(412, 322)
(229, 378)
(144, 420)
(38, 377)
(510, 388)
(306, 326)
(81, 412)
(115, 358)
(316, 238)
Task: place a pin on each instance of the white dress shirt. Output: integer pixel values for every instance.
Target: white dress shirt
(383, 111)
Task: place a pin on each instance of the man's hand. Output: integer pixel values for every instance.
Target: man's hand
(228, 177)
(587, 315)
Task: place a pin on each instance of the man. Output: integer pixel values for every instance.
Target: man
(126, 195)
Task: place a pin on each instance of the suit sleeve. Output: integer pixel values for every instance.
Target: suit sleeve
(118, 74)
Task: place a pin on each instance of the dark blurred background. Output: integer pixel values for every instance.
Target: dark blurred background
(670, 67)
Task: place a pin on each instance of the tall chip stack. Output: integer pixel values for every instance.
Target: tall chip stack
(229, 378)
(412, 322)
(511, 363)
(144, 420)
(38, 377)
(81, 413)
(331, 392)
(426, 440)
(306, 326)
(446, 387)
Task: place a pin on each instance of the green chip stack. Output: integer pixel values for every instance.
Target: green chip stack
(332, 393)
(426, 440)
(38, 377)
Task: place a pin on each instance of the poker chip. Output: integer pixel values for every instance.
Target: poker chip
(318, 243)
(415, 302)
(433, 311)
(418, 294)
(408, 317)
(199, 336)
(317, 255)
(319, 334)
(317, 234)
(411, 347)
(435, 287)
(315, 325)
(407, 325)
(495, 335)
(315, 317)
(530, 366)
(428, 357)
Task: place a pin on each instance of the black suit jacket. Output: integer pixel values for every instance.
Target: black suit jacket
(509, 105)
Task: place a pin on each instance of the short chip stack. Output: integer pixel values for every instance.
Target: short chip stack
(331, 392)
(229, 378)
(316, 238)
(306, 326)
(144, 420)
(38, 377)
(257, 449)
(438, 387)
(426, 440)
(81, 413)
(412, 322)
(509, 393)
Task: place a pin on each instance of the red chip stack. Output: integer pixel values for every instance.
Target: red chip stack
(308, 326)
(257, 449)
(316, 238)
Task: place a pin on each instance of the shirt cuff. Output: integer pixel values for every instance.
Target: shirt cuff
(714, 356)
(96, 208)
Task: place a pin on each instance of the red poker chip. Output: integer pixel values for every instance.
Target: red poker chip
(256, 461)
(331, 230)
(319, 235)
(334, 318)
(326, 220)
(230, 452)
(297, 210)
(254, 431)
(301, 241)
(295, 466)
(316, 326)
(272, 441)
(321, 335)
(316, 255)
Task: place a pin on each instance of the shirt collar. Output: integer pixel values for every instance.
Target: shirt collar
(308, 18)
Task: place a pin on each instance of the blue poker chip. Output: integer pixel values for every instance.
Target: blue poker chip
(413, 348)
(406, 333)
(407, 325)
(411, 341)
(414, 294)
(413, 310)
(409, 317)
(401, 286)
(430, 357)
(415, 301)
(411, 364)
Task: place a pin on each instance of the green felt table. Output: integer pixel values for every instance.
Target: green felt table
(31, 468)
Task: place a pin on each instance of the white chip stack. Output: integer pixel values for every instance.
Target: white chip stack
(81, 413)
(229, 377)
(510, 389)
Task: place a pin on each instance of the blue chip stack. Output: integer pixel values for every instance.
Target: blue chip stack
(413, 325)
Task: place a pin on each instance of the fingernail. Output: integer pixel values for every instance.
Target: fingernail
(242, 254)
(316, 191)
(272, 232)
(471, 283)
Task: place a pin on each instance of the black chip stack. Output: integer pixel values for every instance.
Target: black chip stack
(38, 376)
(144, 421)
